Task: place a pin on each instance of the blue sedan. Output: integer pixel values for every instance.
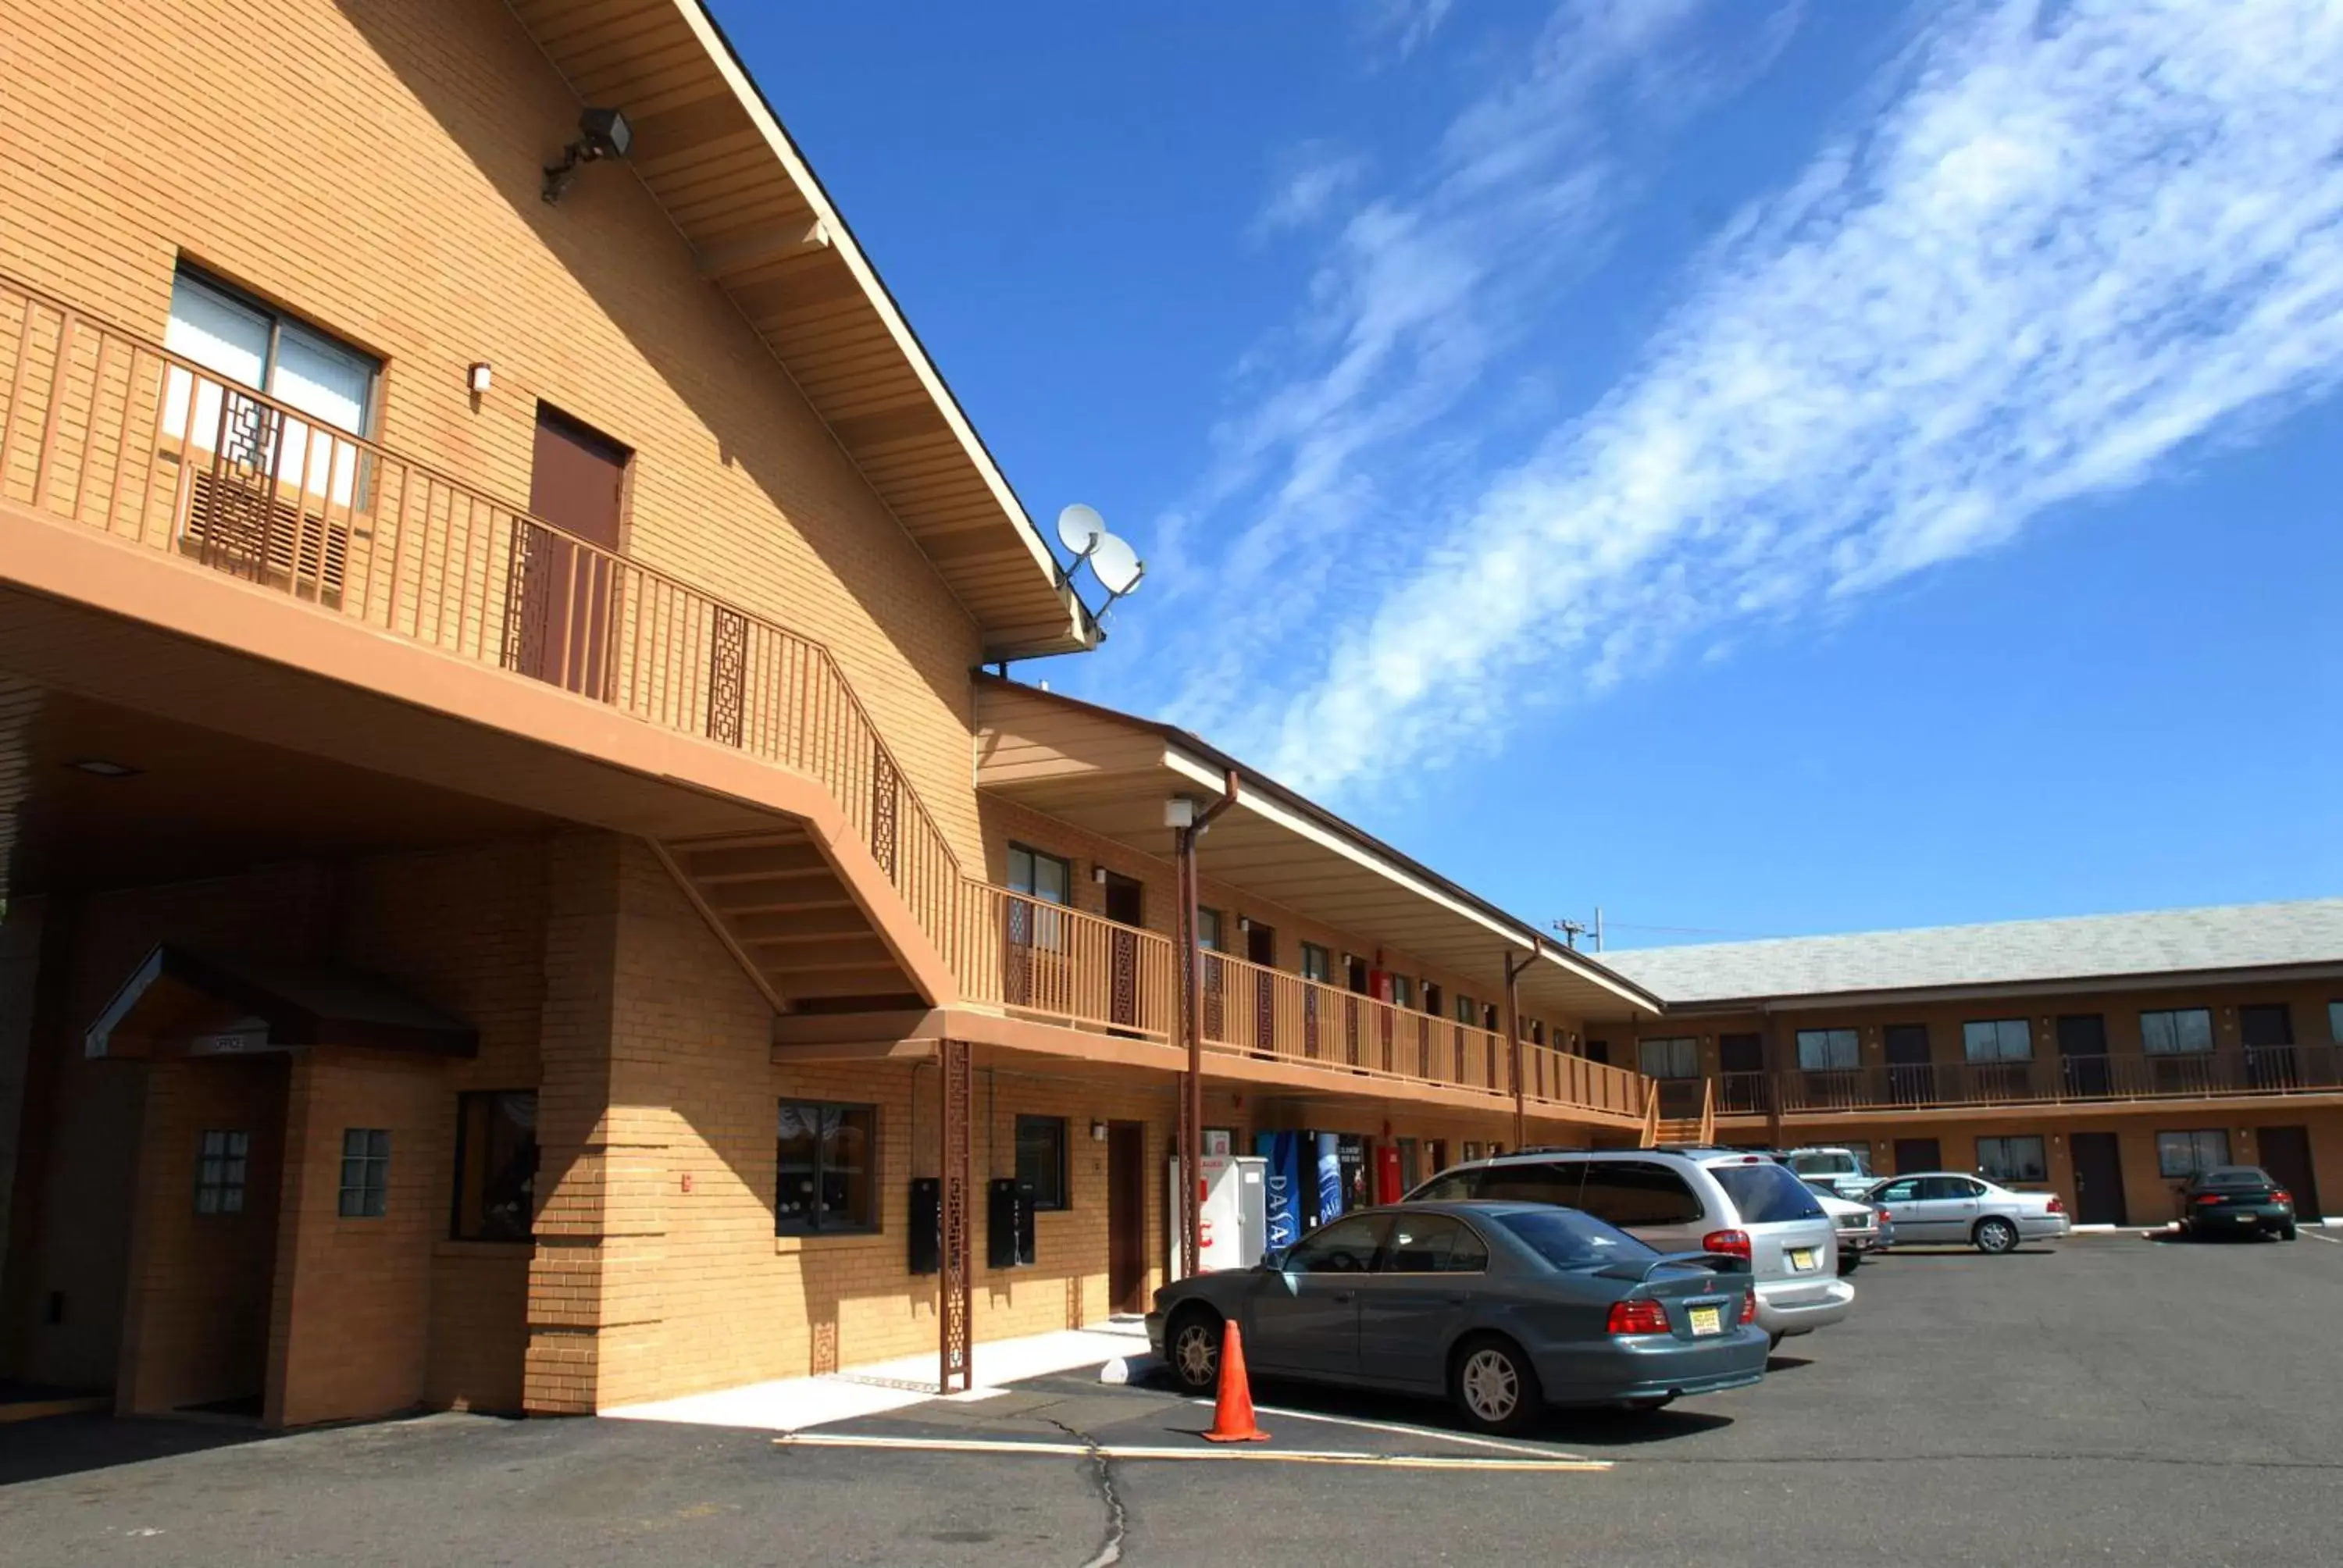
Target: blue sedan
(1505, 1308)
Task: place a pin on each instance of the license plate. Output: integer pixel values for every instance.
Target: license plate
(1708, 1319)
(1802, 1258)
(2246, 1219)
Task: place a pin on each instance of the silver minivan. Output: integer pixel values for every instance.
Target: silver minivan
(1685, 1201)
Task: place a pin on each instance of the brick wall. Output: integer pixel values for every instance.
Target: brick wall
(374, 165)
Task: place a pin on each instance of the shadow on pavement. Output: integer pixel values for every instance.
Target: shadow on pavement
(1567, 1425)
(1918, 1250)
(70, 1444)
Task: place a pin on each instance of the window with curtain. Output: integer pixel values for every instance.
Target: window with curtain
(366, 1173)
(1829, 1049)
(245, 343)
(826, 1168)
(1468, 1012)
(222, 1157)
(2180, 1155)
(1041, 1159)
(2013, 1159)
(1046, 880)
(1998, 1040)
(1317, 963)
(496, 1167)
(1675, 1057)
(1404, 990)
(2176, 1031)
(1208, 929)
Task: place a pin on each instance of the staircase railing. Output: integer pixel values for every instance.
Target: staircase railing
(108, 429)
(1708, 1111)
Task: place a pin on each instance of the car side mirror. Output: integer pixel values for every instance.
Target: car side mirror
(1273, 1260)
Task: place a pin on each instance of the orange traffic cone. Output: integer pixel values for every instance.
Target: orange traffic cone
(1232, 1412)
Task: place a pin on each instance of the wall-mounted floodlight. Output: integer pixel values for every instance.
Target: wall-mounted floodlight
(601, 133)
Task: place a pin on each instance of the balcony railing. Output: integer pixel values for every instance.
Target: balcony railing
(2061, 1080)
(110, 430)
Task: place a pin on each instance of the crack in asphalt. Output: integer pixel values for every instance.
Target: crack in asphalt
(1110, 1552)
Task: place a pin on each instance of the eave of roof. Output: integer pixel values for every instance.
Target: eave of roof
(712, 152)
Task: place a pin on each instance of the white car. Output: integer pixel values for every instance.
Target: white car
(1857, 1225)
(1945, 1207)
(1844, 1171)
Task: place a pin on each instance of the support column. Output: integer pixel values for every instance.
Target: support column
(955, 1327)
(1192, 1027)
(1515, 970)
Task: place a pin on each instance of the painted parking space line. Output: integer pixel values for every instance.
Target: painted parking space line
(1128, 1454)
(1402, 1430)
(2330, 1241)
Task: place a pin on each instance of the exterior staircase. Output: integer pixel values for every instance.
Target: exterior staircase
(787, 914)
(1697, 1131)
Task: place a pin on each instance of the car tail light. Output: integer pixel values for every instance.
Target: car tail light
(2210, 1198)
(2057, 1207)
(2281, 1196)
(1732, 1243)
(1749, 1306)
(1637, 1317)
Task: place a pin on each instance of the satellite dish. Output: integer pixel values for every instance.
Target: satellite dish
(1118, 567)
(1079, 529)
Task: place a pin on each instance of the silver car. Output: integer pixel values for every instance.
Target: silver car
(1944, 1207)
(1685, 1201)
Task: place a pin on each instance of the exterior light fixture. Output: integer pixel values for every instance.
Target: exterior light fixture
(480, 378)
(1179, 811)
(601, 133)
(1098, 1131)
(104, 768)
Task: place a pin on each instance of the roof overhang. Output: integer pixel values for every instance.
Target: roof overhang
(712, 153)
(176, 1003)
(2065, 985)
(1112, 774)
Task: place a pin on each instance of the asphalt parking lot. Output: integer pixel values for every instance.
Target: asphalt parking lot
(2112, 1400)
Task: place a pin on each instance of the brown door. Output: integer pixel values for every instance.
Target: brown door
(1741, 1062)
(1911, 1077)
(2098, 1176)
(1126, 903)
(1918, 1154)
(2286, 1154)
(2267, 1032)
(578, 481)
(1126, 1216)
(2083, 1055)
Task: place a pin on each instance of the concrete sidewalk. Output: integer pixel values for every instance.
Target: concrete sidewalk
(792, 1405)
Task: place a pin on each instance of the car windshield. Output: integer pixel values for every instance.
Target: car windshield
(1765, 1194)
(1823, 1164)
(1570, 1239)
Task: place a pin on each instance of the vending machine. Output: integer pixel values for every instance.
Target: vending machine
(1235, 1213)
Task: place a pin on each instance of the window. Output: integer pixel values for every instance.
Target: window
(1433, 1244)
(1630, 1193)
(1903, 1191)
(1208, 929)
(1828, 1049)
(2182, 1031)
(1345, 1247)
(2180, 1155)
(1678, 1057)
(220, 1159)
(1431, 996)
(1467, 1009)
(2006, 1160)
(1998, 1040)
(1948, 1189)
(1404, 990)
(826, 1159)
(1765, 1193)
(496, 1167)
(365, 1172)
(2335, 1021)
(1833, 1163)
(1041, 1159)
(1039, 875)
(1317, 964)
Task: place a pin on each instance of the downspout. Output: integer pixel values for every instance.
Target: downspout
(1191, 1028)
(1513, 972)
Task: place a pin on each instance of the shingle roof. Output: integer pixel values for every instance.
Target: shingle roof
(2009, 952)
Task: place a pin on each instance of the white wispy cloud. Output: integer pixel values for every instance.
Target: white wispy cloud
(2064, 246)
(1402, 26)
(1308, 186)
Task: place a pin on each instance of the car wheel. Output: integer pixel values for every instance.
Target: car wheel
(1848, 1263)
(1192, 1346)
(2287, 1234)
(1493, 1386)
(1996, 1234)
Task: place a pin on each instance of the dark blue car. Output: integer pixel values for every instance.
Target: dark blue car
(1505, 1308)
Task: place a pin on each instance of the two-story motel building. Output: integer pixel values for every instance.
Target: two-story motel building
(517, 895)
(2107, 1057)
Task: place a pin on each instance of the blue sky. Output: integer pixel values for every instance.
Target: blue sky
(1760, 470)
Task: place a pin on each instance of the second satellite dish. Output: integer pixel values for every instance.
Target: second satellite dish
(1112, 561)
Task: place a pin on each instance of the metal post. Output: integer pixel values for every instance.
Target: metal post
(955, 1370)
(1191, 1028)
(1513, 971)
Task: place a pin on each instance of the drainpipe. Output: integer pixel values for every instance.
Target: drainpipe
(1515, 970)
(1192, 1029)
